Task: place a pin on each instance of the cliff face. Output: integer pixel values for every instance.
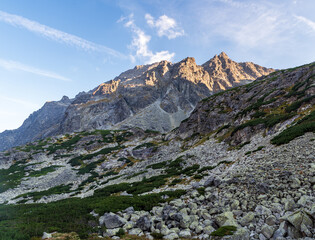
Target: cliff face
(156, 96)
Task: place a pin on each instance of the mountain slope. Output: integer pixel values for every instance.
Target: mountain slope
(40, 124)
(156, 96)
(280, 98)
(241, 166)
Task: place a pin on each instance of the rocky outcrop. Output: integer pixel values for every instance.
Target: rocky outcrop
(40, 124)
(226, 73)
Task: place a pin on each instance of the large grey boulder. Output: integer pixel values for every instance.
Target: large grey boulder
(301, 222)
(226, 219)
(144, 223)
(212, 181)
(267, 231)
(247, 219)
(111, 220)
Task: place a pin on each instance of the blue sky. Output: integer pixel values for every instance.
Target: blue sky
(53, 48)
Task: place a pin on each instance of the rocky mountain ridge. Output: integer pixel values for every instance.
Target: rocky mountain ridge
(40, 124)
(240, 167)
(156, 96)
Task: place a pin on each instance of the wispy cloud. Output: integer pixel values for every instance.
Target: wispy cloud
(249, 24)
(140, 42)
(307, 21)
(165, 26)
(56, 35)
(21, 102)
(13, 65)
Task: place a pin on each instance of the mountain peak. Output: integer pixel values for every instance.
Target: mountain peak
(189, 60)
(223, 55)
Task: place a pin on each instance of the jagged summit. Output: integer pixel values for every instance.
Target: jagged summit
(226, 73)
(155, 96)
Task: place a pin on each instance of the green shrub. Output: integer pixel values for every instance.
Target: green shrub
(64, 145)
(175, 181)
(258, 149)
(54, 190)
(43, 171)
(250, 123)
(145, 145)
(296, 105)
(222, 128)
(78, 161)
(306, 124)
(268, 121)
(11, 177)
(259, 114)
(121, 232)
(201, 190)
(156, 235)
(224, 231)
(242, 145)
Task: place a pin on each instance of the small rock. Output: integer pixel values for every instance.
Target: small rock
(267, 231)
(212, 181)
(208, 230)
(225, 219)
(111, 232)
(171, 236)
(46, 235)
(280, 232)
(248, 218)
(296, 183)
(129, 210)
(185, 233)
(271, 220)
(136, 231)
(289, 204)
(261, 210)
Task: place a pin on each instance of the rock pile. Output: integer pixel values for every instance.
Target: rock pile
(203, 211)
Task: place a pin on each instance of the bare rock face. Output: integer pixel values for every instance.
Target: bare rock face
(156, 96)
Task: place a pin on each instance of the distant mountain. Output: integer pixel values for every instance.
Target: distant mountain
(156, 96)
(40, 124)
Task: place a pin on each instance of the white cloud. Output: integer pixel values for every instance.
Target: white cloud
(307, 21)
(249, 24)
(165, 26)
(55, 34)
(13, 65)
(140, 42)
